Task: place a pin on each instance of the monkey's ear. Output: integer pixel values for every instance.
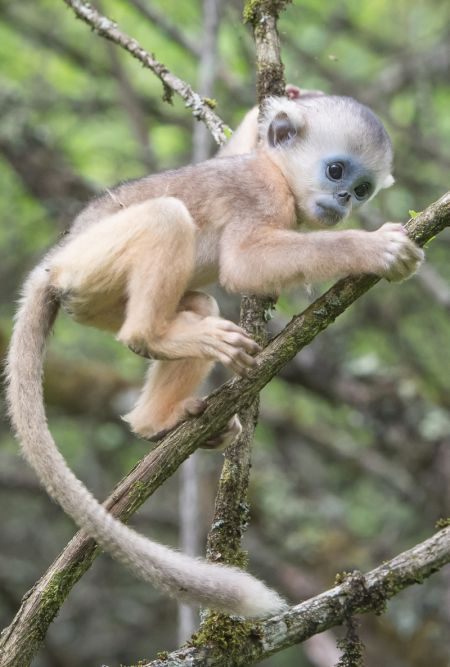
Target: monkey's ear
(292, 92)
(388, 181)
(281, 130)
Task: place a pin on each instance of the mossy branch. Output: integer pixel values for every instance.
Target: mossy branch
(231, 511)
(357, 594)
(20, 641)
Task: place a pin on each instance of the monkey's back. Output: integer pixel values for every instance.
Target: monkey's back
(237, 187)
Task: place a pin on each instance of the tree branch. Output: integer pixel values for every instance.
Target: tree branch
(231, 507)
(357, 594)
(104, 27)
(20, 641)
(158, 18)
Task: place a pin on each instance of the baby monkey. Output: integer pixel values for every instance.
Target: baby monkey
(133, 264)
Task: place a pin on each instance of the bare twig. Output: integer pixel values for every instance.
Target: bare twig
(159, 19)
(107, 28)
(190, 45)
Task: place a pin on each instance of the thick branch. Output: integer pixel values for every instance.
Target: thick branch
(357, 594)
(108, 29)
(20, 641)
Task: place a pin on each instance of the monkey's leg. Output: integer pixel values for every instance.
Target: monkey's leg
(160, 267)
(128, 273)
(166, 398)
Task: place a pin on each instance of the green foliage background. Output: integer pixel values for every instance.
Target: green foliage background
(352, 459)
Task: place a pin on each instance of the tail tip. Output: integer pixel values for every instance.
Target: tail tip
(262, 603)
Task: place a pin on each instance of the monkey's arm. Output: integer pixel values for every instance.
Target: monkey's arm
(267, 259)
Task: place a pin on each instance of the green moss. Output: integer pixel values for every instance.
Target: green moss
(52, 598)
(341, 577)
(210, 102)
(254, 9)
(228, 635)
(443, 523)
(137, 495)
(271, 78)
(351, 646)
(167, 95)
(355, 587)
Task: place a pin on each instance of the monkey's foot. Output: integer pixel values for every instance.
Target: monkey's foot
(222, 440)
(155, 429)
(136, 345)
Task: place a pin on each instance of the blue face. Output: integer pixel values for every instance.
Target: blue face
(345, 184)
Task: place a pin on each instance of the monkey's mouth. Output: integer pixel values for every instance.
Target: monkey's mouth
(329, 212)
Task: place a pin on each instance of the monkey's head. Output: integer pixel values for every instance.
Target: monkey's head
(334, 152)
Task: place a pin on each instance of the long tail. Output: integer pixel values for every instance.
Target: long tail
(216, 586)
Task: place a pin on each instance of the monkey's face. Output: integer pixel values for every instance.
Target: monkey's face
(334, 152)
(329, 185)
(342, 183)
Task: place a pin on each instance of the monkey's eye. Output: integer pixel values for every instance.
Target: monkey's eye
(335, 171)
(363, 190)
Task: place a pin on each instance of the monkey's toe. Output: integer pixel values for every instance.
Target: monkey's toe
(193, 407)
(222, 440)
(139, 349)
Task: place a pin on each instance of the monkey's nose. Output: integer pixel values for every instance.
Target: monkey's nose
(343, 197)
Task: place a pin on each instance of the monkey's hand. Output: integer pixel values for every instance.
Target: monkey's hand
(395, 256)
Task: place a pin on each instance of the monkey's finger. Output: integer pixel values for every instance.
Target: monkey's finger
(403, 268)
(416, 252)
(229, 363)
(140, 349)
(233, 359)
(248, 344)
(239, 357)
(232, 327)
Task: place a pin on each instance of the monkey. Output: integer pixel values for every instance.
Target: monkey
(134, 263)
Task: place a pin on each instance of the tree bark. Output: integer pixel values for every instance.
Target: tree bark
(231, 514)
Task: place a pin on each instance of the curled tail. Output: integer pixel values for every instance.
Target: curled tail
(216, 586)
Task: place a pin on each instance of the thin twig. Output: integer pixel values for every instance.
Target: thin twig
(107, 28)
